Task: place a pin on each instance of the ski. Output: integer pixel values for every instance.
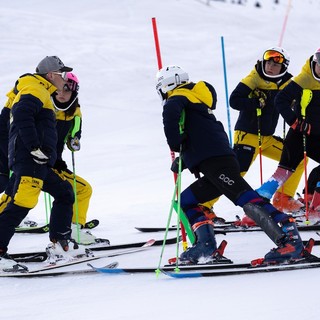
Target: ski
(197, 267)
(243, 270)
(51, 270)
(220, 266)
(45, 228)
(222, 229)
(209, 270)
(307, 261)
(91, 224)
(173, 228)
(42, 256)
(36, 229)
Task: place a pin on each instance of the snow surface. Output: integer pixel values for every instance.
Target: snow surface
(124, 153)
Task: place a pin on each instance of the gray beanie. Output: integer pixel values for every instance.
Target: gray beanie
(50, 64)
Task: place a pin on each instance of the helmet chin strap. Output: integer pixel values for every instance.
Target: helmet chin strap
(69, 105)
(270, 76)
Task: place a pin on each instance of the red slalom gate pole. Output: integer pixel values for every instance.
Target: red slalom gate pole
(158, 53)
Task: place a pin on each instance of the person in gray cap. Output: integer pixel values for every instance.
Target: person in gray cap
(51, 64)
(32, 153)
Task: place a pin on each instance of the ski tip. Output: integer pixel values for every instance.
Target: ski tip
(110, 268)
(149, 243)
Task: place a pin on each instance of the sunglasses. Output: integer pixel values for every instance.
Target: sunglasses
(62, 74)
(274, 55)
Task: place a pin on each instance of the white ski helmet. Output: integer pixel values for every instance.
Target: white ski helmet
(170, 77)
(278, 55)
(315, 59)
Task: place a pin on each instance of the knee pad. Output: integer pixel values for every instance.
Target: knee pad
(245, 155)
(28, 191)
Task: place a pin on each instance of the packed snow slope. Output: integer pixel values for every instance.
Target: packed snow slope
(125, 157)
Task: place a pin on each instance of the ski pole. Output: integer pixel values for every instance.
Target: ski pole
(179, 202)
(305, 100)
(75, 195)
(47, 203)
(260, 142)
(158, 53)
(283, 137)
(226, 89)
(158, 271)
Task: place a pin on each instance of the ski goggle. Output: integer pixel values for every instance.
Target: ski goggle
(71, 86)
(62, 74)
(276, 56)
(316, 57)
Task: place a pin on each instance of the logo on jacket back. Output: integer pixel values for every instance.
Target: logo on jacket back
(226, 179)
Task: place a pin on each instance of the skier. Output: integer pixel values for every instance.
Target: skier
(304, 119)
(69, 124)
(32, 152)
(204, 147)
(258, 117)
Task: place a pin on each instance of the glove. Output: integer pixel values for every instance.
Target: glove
(73, 144)
(301, 126)
(175, 165)
(262, 98)
(60, 165)
(39, 156)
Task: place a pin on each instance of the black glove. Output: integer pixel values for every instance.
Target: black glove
(39, 156)
(262, 97)
(175, 165)
(301, 126)
(60, 165)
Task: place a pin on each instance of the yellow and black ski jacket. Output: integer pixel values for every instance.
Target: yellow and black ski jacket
(32, 122)
(293, 93)
(203, 137)
(243, 100)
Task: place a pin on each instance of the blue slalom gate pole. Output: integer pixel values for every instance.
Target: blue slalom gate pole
(226, 89)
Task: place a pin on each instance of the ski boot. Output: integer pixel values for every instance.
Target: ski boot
(205, 244)
(7, 264)
(61, 251)
(86, 237)
(285, 203)
(290, 246)
(314, 210)
(26, 222)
